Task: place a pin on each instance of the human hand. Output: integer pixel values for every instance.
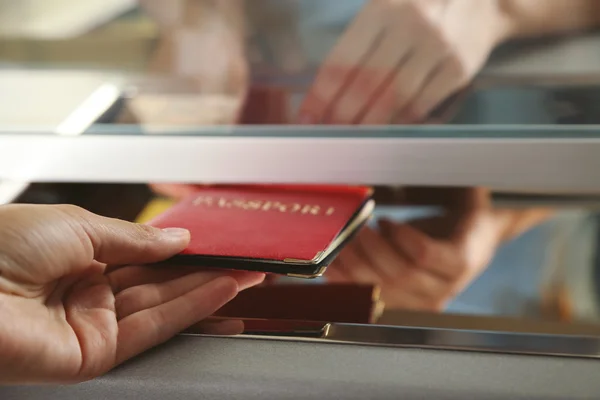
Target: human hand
(67, 318)
(203, 41)
(400, 59)
(423, 265)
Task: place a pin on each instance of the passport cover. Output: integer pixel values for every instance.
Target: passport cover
(342, 303)
(289, 230)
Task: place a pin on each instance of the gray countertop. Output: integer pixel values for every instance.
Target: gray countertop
(222, 368)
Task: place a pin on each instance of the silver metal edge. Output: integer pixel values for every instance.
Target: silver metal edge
(445, 340)
(74, 125)
(546, 164)
(465, 340)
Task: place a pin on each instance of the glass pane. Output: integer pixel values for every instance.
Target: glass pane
(523, 262)
(518, 222)
(113, 68)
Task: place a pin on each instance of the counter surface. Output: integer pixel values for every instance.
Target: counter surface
(227, 368)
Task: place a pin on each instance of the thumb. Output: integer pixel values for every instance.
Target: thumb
(46, 242)
(113, 241)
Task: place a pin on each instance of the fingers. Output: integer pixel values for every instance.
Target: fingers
(340, 66)
(151, 327)
(372, 77)
(112, 241)
(335, 275)
(416, 290)
(414, 271)
(380, 254)
(403, 281)
(423, 251)
(398, 62)
(138, 298)
(450, 78)
(127, 277)
(395, 101)
(69, 239)
(356, 268)
(378, 66)
(429, 288)
(123, 278)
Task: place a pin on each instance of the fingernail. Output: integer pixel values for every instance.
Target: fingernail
(176, 233)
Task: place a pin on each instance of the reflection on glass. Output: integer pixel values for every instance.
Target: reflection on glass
(186, 67)
(469, 252)
(281, 62)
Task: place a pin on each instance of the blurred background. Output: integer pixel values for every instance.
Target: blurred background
(107, 67)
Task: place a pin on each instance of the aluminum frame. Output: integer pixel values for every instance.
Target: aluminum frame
(556, 165)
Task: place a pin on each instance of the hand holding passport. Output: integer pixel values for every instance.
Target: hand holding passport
(288, 230)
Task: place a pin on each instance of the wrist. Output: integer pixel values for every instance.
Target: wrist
(507, 24)
(504, 220)
(512, 223)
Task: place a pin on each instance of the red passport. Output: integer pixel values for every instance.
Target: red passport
(290, 230)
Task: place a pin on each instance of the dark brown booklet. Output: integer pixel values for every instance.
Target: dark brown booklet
(353, 304)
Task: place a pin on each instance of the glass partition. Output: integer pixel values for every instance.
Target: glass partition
(527, 252)
(125, 67)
